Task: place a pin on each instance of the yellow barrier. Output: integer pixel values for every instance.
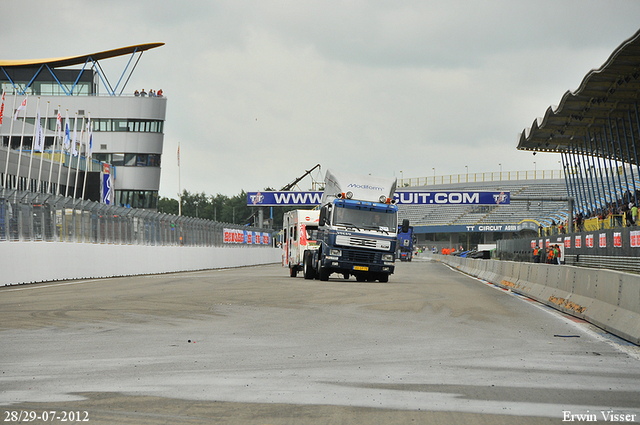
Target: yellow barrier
(612, 221)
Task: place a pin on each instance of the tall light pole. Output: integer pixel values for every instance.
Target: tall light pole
(466, 167)
(535, 170)
(434, 175)
(401, 178)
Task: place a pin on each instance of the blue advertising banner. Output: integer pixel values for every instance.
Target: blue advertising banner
(271, 199)
(267, 199)
(452, 198)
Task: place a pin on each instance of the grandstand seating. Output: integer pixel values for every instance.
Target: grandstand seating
(542, 212)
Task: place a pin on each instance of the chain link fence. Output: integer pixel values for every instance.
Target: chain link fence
(28, 216)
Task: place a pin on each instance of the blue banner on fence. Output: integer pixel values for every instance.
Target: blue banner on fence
(267, 199)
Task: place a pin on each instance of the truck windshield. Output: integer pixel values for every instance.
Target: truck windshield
(365, 219)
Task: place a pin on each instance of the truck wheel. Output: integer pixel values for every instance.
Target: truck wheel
(346, 276)
(293, 272)
(309, 271)
(323, 273)
(384, 278)
(360, 278)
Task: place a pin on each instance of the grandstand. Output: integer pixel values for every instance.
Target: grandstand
(529, 210)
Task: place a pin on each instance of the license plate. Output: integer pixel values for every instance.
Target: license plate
(361, 268)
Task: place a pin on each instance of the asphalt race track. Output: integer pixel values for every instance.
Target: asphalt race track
(254, 346)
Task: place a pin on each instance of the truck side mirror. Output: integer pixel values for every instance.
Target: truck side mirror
(405, 225)
(323, 216)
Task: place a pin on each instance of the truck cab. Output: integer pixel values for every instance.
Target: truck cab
(357, 229)
(406, 241)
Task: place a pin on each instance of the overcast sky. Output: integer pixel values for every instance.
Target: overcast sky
(260, 91)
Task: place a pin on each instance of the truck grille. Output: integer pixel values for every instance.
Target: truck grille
(362, 257)
(362, 242)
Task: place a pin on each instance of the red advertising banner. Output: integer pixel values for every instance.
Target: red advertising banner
(635, 238)
(617, 240)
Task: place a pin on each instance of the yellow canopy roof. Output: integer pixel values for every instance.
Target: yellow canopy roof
(80, 60)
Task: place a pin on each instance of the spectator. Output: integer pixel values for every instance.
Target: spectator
(159, 94)
(136, 93)
(536, 254)
(143, 93)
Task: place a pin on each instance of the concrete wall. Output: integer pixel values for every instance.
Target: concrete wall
(27, 262)
(606, 298)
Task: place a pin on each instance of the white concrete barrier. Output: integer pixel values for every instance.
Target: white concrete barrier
(607, 298)
(28, 262)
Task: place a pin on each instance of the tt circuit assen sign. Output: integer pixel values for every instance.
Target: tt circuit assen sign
(272, 199)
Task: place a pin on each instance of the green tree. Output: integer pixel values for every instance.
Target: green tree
(168, 206)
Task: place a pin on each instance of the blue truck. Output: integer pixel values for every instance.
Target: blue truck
(406, 241)
(357, 229)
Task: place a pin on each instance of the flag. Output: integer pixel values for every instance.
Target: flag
(66, 131)
(58, 124)
(38, 144)
(90, 145)
(74, 147)
(2, 108)
(22, 106)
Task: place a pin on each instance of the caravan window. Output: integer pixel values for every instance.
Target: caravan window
(312, 233)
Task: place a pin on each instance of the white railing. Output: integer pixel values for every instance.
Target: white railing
(481, 177)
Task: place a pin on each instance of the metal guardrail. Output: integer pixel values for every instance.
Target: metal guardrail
(624, 264)
(29, 216)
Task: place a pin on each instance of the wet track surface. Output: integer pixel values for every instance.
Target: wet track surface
(252, 345)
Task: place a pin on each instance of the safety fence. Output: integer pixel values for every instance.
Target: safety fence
(615, 248)
(28, 216)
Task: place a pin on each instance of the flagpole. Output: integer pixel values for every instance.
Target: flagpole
(6, 166)
(33, 143)
(53, 153)
(62, 146)
(179, 189)
(87, 155)
(24, 121)
(78, 156)
(75, 121)
(44, 140)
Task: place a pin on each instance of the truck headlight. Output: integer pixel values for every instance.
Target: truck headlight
(336, 252)
(387, 257)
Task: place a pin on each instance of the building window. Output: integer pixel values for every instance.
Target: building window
(117, 159)
(137, 198)
(105, 124)
(129, 159)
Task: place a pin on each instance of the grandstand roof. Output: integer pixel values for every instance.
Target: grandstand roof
(79, 60)
(605, 94)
